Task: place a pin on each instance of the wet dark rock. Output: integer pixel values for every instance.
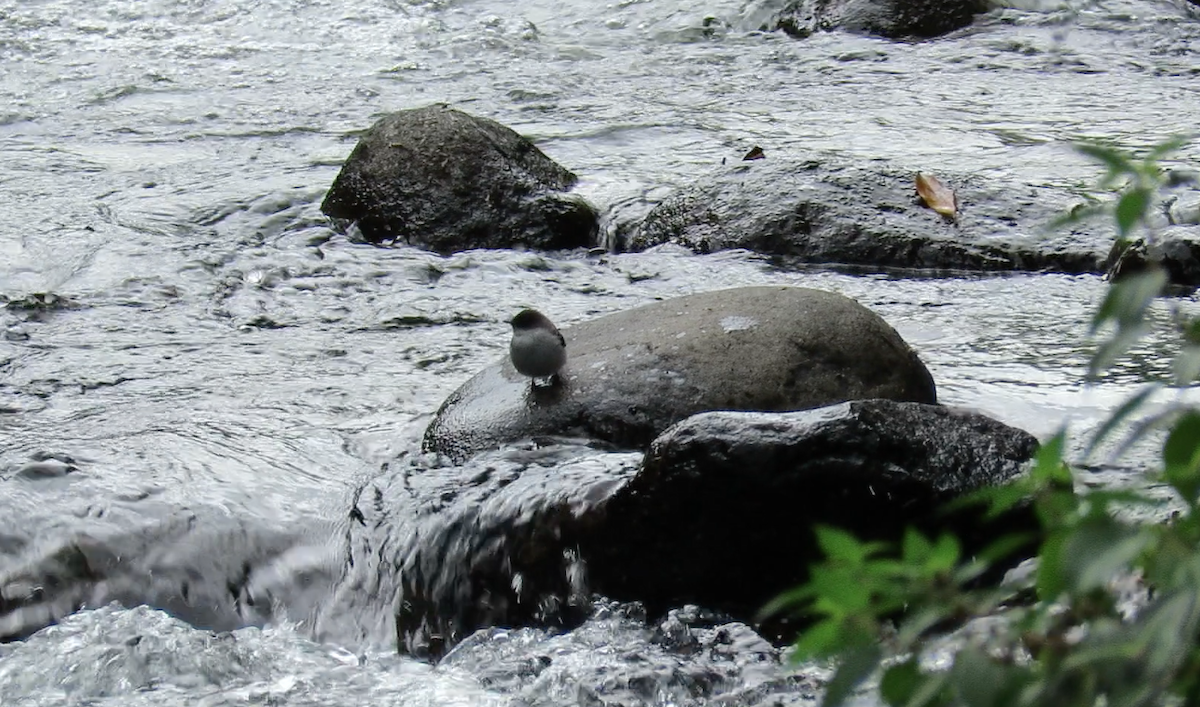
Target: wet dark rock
(195, 567)
(48, 468)
(42, 465)
(886, 18)
(717, 514)
(34, 307)
(37, 302)
(1176, 249)
(828, 212)
(448, 550)
(447, 181)
(631, 375)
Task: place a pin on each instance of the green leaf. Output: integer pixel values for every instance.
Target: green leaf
(838, 544)
(980, 681)
(1127, 408)
(916, 548)
(1131, 209)
(1166, 147)
(1115, 160)
(840, 587)
(1101, 500)
(1181, 456)
(1051, 578)
(919, 622)
(1175, 563)
(1156, 644)
(1169, 630)
(1004, 546)
(900, 682)
(1057, 508)
(855, 666)
(945, 554)
(1097, 550)
(1126, 301)
(1048, 468)
(931, 691)
(1146, 426)
(1115, 347)
(1077, 213)
(1187, 365)
(791, 599)
(1183, 444)
(820, 640)
(997, 499)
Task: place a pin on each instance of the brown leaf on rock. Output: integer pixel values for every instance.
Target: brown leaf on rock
(936, 195)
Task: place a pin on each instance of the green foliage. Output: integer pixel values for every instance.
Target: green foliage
(1072, 641)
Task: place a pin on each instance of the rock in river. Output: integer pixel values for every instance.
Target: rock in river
(723, 504)
(631, 375)
(832, 212)
(1176, 249)
(447, 181)
(719, 514)
(885, 18)
(202, 565)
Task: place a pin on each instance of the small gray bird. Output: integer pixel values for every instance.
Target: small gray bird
(537, 349)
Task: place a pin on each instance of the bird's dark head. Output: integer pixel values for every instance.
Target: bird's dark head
(531, 319)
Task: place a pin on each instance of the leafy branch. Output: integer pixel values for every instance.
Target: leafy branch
(1064, 637)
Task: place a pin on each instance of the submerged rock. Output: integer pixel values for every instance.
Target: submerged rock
(447, 181)
(718, 514)
(436, 553)
(201, 568)
(823, 211)
(631, 375)
(885, 18)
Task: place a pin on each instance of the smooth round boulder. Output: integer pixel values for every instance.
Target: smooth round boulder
(441, 179)
(632, 374)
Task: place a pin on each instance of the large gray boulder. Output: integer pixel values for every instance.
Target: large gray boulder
(718, 513)
(831, 212)
(447, 181)
(631, 375)
(885, 18)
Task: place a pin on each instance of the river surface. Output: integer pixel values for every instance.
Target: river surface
(182, 329)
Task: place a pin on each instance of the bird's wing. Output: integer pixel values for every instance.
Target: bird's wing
(561, 340)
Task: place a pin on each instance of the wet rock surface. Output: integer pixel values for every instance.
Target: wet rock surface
(448, 550)
(448, 181)
(204, 568)
(1176, 249)
(631, 375)
(723, 505)
(830, 212)
(717, 514)
(885, 18)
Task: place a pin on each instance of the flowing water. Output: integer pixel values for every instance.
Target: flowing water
(183, 333)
